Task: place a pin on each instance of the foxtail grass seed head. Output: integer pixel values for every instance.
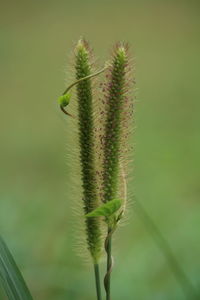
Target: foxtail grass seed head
(118, 112)
(86, 145)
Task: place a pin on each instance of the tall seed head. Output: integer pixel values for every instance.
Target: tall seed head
(118, 116)
(86, 146)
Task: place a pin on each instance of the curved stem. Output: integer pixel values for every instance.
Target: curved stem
(76, 82)
(108, 243)
(97, 281)
(65, 112)
(84, 78)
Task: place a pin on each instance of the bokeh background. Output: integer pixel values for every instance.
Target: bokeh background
(36, 38)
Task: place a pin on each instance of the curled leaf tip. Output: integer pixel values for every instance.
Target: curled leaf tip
(64, 100)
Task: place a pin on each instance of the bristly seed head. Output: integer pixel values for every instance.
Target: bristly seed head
(118, 111)
(86, 144)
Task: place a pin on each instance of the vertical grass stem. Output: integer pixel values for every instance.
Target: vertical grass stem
(97, 281)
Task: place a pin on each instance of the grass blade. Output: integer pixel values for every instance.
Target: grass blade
(10, 276)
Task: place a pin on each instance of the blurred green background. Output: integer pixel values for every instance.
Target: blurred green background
(36, 38)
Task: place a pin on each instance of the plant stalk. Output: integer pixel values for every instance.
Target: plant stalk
(108, 248)
(97, 281)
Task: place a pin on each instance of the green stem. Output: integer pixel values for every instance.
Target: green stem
(109, 264)
(108, 248)
(97, 281)
(162, 243)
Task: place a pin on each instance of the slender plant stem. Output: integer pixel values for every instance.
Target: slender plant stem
(97, 281)
(109, 264)
(187, 287)
(108, 248)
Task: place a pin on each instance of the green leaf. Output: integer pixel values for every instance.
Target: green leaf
(10, 276)
(106, 209)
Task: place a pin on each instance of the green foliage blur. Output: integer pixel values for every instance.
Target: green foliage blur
(36, 39)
